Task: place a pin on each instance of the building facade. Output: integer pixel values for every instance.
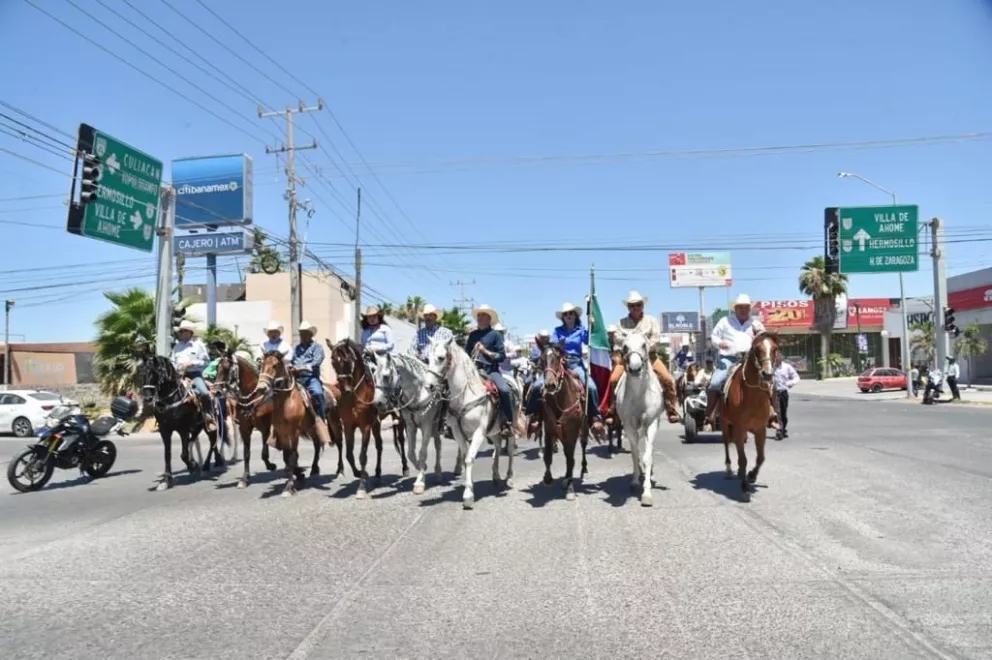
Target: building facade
(970, 296)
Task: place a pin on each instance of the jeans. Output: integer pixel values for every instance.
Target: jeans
(316, 390)
(721, 372)
(505, 405)
(202, 391)
(782, 407)
(534, 397)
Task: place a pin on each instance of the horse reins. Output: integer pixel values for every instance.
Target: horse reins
(353, 360)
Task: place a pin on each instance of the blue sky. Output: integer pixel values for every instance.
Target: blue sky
(422, 84)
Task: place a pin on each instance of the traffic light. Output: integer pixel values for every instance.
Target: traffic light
(831, 240)
(949, 321)
(91, 178)
(178, 315)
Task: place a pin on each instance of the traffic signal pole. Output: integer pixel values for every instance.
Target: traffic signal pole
(939, 292)
(163, 288)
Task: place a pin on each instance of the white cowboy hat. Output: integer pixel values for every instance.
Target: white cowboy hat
(568, 307)
(543, 333)
(612, 328)
(273, 326)
(372, 310)
(486, 309)
(499, 328)
(186, 324)
(743, 300)
(635, 297)
(429, 309)
(306, 327)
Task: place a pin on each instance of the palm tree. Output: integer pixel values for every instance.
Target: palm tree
(969, 344)
(410, 311)
(387, 309)
(234, 342)
(823, 288)
(115, 362)
(923, 339)
(455, 320)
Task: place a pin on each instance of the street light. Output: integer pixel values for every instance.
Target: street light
(7, 371)
(902, 288)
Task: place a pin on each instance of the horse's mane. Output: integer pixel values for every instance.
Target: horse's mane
(244, 362)
(411, 363)
(349, 343)
(767, 334)
(462, 361)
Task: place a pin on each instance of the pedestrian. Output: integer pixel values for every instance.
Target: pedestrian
(786, 378)
(914, 379)
(952, 375)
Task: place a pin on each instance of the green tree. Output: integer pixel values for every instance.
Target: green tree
(133, 316)
(969, 344)
(410, 311)
(823, 288)
(235, 342)
(923, 339)
(455, 320)
(264, 258)
(387, 309)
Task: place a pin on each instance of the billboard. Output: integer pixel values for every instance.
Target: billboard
(799, 314)
(213, 191)
(680, 321)
(699, 269)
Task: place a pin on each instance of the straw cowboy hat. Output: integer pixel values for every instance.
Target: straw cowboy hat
(372, 310)
(273, 326)
(429, 309)
(489, 311)
(544, 333)
(186, 324)
(743, 300)
(568, 307)
(634, 297)
(306, 327)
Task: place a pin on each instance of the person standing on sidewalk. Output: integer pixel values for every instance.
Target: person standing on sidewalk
(785, 378)
(952, 375)
(914, 380)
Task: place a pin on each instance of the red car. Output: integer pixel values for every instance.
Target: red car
(878, 379)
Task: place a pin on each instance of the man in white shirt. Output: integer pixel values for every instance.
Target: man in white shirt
(190, 356)
(732, 335)
(953, 373)
(275, 342)
(786, 378)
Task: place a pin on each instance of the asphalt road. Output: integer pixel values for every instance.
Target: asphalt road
(869, 537)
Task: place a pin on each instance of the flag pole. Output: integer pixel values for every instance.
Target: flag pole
(587, 368)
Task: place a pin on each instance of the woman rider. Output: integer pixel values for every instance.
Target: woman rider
(377, 336)
(572, 335)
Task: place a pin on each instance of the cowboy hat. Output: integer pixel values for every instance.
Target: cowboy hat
(273, 326)
(372, 310)
(486, 309)
(634, 297)
(306, 327)
(543, 333)
(612, 328)
(429, 309)
(186, 324)
(743, 300)
(499, 328)
(568, 307)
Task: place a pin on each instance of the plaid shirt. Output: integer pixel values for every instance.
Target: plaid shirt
(419, 347)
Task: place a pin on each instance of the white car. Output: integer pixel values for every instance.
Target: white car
(23, 411)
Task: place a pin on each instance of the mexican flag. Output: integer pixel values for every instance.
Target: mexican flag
(600, 364)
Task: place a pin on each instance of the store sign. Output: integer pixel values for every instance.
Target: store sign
(978, 297)
(919, 318)
(780, 314)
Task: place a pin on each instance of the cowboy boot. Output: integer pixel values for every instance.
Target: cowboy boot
(320, 427)
(206, 410)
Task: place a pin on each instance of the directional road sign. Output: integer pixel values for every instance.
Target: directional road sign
(125, 209)
(878, 239)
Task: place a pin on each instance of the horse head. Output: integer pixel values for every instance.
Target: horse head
(439, 357)
(346, 360)
(635, 352)
(274, 374)
(553, 361)
(159, 380)
(227, 372)
(762, 354)
(386, 381)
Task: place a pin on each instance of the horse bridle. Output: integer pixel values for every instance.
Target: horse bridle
(272, 382)
(233, 380)
(394, 393)
(179, 388)
(752, 357)
(353, 358)
(559, 373)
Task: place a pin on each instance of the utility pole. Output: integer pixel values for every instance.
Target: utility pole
(8, 371)
(163, 288)
(702, 344)
(358, 269)
(939, 292)
(290, 148)
(464, 303)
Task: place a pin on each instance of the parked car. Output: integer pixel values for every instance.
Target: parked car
(23, 411)
(881, 378)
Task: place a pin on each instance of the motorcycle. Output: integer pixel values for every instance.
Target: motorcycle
(694, 412)
(69, 440)
(933, 393)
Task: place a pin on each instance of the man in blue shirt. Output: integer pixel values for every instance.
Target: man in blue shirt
(305, 365)
(485, 345)
(429, 331)
(684, 357)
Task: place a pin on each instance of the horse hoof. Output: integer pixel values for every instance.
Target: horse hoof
(163, 485)
(418, 489)
(406, 472)
(438, 476)
(361, 494)
(569, 495)
(510, 484)
(647, 499)
(242, 483)
(745, 496)
(468, 502)
(288, 493)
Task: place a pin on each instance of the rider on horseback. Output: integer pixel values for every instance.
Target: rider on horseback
(647, 325)
(190, 357)
(377, 336)
(486, 347)
(732, 335)
(275, 341)
(305, 366)
(425, 334)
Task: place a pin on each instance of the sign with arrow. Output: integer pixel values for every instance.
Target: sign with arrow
(878, 239)
(125, 208)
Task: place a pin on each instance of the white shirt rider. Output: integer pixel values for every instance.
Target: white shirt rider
(738, 334)
(278, 344)
(192, 351)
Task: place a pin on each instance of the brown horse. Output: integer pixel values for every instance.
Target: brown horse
(291, 417)
(358, 412)
(745, 407)
(564, 415)
(682, 384)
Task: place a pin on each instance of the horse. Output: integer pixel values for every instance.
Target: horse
(403, 388)
(358, 411)
(473, 411)
(744, 405)
(682, 384)
(176, 409)
(291, 417)
(641, 407)
(564, 415)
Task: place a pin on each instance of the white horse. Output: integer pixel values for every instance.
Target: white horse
(472, 414)
(640, 405)
(403, 385)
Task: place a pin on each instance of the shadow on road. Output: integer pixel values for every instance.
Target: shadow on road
(81, 481)
(717, 482)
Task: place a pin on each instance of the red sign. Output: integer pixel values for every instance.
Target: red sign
(779, 314)
(976, 298)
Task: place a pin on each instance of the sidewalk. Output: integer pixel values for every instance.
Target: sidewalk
(847, 388)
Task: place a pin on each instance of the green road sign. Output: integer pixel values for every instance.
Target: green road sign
(878, 239)
(119, 202)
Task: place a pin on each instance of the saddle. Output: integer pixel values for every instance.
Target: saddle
(725, 392)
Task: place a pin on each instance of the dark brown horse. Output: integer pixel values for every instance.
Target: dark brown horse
(358, 412)
(564, 415)
(745, 408)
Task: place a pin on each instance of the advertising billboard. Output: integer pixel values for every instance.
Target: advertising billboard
(680, 321)
(213, 191)
(699, 269)
(781, 314)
